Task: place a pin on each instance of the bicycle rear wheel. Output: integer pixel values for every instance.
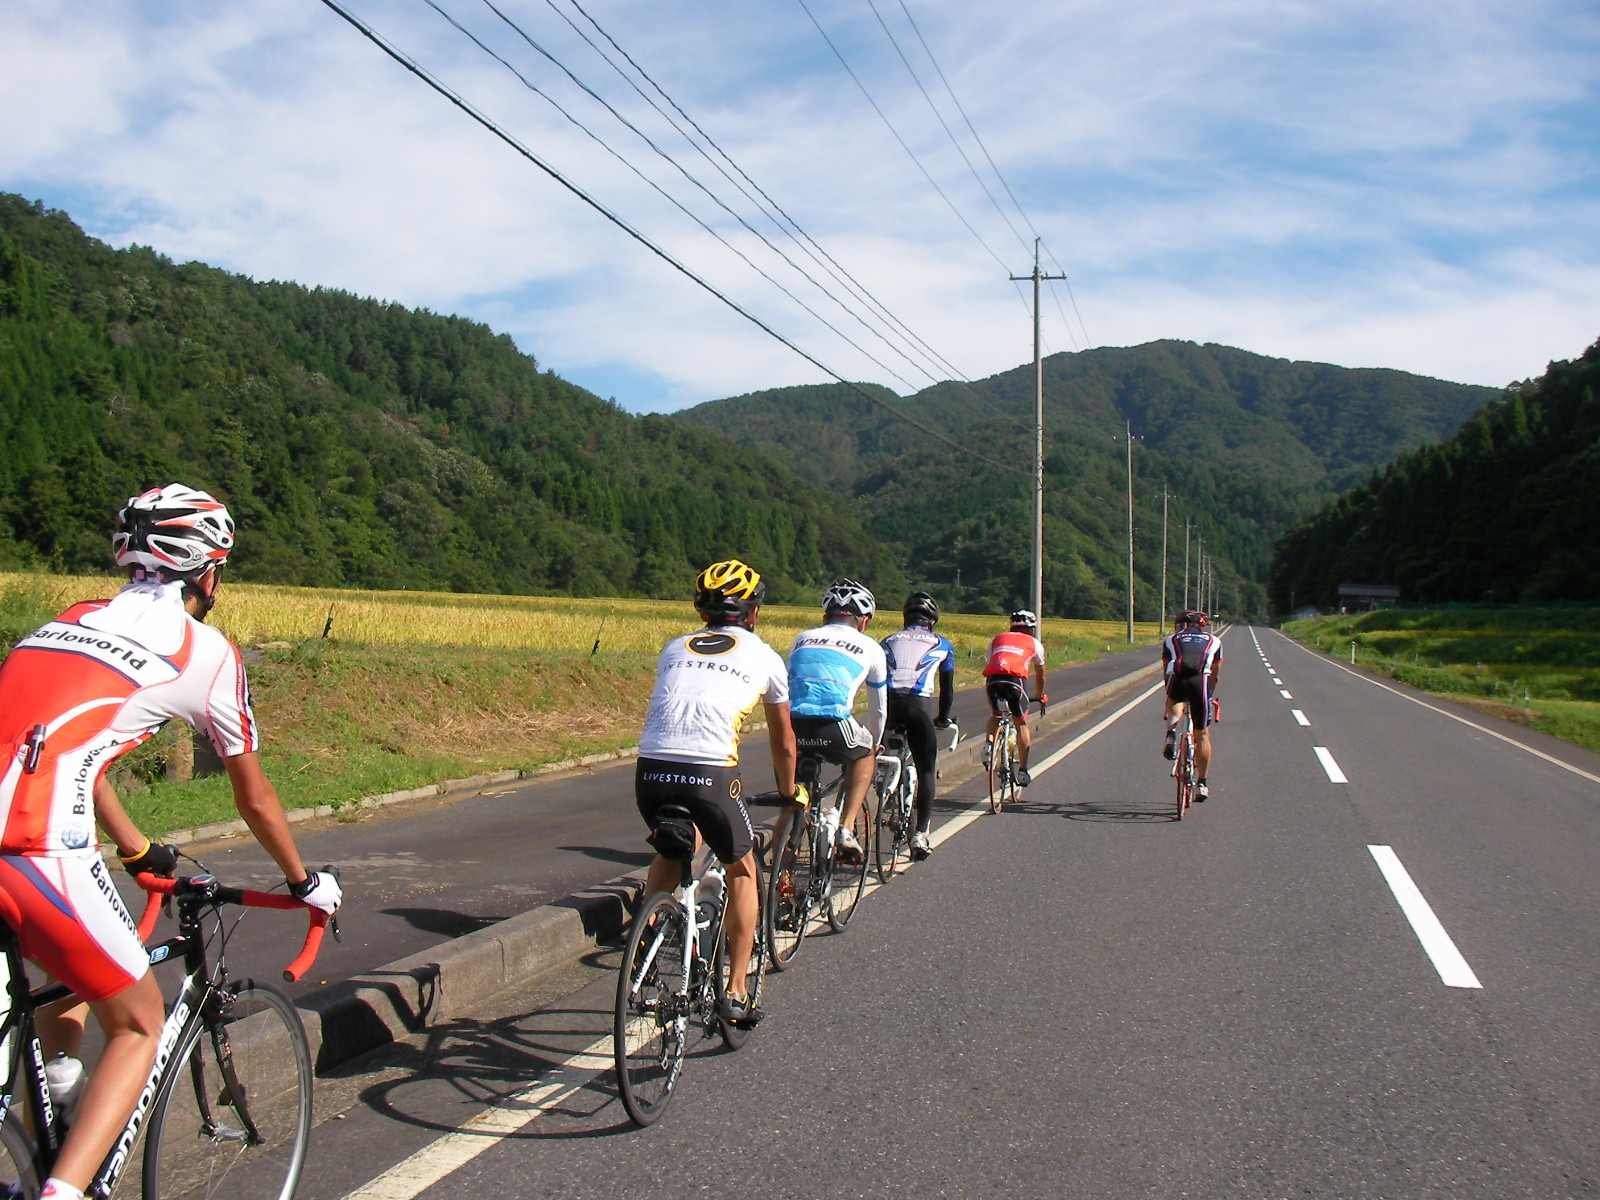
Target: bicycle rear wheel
(891, 850)
(787, 910)
(850, 879)
(19, 1168)
(233, 1117)
(1183, 773)
(755, 973)
(650, 1033)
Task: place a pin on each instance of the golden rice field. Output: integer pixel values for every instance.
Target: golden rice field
(254, 613)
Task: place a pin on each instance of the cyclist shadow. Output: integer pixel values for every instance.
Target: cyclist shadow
(1114, 810)
(553, 1064)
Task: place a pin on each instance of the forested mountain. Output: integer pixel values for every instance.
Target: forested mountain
(1244, 445)
(1503, 511)
(360, 443)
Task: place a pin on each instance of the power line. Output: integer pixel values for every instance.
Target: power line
(482, 119)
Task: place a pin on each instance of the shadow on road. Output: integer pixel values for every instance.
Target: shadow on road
(627, 858)
(441, 921)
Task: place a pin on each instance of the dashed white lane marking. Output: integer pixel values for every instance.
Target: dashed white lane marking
(1447, 960)
(1285, 694)
(1299, 716)
(1335, 775)
(1276, 681)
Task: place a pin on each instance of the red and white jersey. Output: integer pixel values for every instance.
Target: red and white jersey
(86, 688)
(1014, 654)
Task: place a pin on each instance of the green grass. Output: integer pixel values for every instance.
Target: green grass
(1540, 667)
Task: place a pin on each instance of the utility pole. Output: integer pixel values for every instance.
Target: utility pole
(1186, 563)
(1128, 430)
(1038, 439)
(1199, 573)
(1161, 617)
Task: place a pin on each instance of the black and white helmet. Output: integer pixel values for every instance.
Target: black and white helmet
(172, 532)
(848, 596)
(1025, 618)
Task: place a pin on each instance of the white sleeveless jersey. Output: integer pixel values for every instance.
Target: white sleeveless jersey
(707, 683)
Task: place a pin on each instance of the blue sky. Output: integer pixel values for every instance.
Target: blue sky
(1413, 186)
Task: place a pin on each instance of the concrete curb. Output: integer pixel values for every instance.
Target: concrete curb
(454, 978)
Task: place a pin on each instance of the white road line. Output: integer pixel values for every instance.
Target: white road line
(1447, 960)
(1335, 775)
(1089, 733)
(1299, 716)
(1549, 758)
(1277, 682)
(1285, 694)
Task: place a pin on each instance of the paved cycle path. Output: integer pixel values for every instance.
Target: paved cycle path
(421, 874)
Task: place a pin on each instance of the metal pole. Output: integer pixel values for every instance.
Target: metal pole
(1128, 429)
(1186, 563)
(1161, 617)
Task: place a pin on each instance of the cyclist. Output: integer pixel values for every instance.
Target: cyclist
(1192, 661)
(1013, 656)
(917, 656)
(76, 694)
(827, 666)
(706, 684)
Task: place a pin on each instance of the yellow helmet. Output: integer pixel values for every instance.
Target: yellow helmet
(728, 592)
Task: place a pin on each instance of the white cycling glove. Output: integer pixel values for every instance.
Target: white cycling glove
(319, 889)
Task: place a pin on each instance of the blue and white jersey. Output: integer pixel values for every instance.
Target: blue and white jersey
(917, 656)
(828, 665)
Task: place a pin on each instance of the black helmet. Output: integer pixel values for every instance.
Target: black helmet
(921, 607)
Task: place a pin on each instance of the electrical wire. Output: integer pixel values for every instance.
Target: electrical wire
(489, 124)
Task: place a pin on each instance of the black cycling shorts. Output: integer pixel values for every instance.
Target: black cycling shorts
(1010, 691)
(1195, 691)
(713, 796)
(833, 741)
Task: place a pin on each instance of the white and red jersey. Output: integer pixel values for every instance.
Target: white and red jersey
(1013, 654)
(86, 688)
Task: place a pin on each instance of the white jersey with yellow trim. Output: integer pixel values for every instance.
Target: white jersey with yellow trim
(707, 683)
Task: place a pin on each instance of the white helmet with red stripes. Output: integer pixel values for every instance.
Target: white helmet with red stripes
(172, 532)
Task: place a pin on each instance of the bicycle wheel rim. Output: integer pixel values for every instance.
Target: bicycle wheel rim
(850, 882)
(997, 771)
(787, 910)
(19, 1171)
(649, 1031)
(234, 1117)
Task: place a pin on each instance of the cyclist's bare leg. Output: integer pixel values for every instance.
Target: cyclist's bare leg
(1024, 742)
(1202, 753)
(132, 1023)
(665, 874)
(857, 779)
(743, 909)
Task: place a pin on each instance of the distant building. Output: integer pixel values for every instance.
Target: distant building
(1367, 595)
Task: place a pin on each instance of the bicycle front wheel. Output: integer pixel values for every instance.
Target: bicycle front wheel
(19, 1168)
(233, 1116)
(787, 910)
(850, 879)
(651, 1029)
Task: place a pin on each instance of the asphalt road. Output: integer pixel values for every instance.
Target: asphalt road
(419, 874)
(1086, 997)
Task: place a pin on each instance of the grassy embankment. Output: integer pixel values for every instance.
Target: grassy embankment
(1538, 667)
(410, 688)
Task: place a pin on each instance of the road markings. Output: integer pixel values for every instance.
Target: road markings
(1335, 775)
(1089, 733)
(1441, 951)
(1276, 681)
(1549, 758)
(1285, 694)
(1299, 716)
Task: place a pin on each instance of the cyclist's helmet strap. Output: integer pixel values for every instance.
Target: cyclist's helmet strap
(728, 593)
(849, 597)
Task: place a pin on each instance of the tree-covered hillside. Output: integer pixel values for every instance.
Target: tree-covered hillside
(1245, 445)
(360, 443)
(1503, 511)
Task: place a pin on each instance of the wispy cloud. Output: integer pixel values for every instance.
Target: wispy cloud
(1350, 181)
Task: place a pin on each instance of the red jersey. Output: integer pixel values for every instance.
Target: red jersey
(86, 688)
(1014, 654)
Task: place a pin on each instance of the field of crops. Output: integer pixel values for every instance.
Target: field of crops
(253, 614)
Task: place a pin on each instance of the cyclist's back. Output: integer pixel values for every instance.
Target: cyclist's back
(920, 663)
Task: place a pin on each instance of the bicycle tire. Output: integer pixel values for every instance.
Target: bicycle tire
(19, 1161)
(998, 767)
(787, 910)
(755, 974)
(892, 850)
(850, 881)
(650, 1027)
(233, 1115)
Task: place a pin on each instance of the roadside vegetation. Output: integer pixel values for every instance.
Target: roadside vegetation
(1539, 667)
(360, 692)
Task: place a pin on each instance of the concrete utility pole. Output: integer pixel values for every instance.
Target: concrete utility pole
(1038, 438)
(1186, 564)
(1128, 430)
(1161, 617)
